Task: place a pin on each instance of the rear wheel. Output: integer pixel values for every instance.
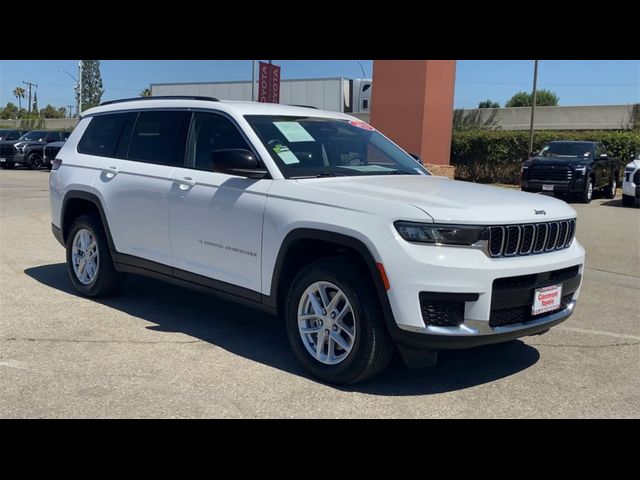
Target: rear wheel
(334, 322)
(34, 162)
(628, 200)
(610, 190)
(89, 260)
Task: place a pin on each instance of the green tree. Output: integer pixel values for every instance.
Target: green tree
(19, 93)
(35, 103)
(544, 98)
(146, 92)
(91, 84)
(52, 112)
(10, 111)
(488, 104)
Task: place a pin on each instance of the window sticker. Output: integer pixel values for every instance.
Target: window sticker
(362, 125)
(286, 155)
(294, 132)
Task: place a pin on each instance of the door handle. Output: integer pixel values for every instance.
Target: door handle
(185, 183)
(110, 172)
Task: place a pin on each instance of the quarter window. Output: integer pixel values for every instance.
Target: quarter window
(102, 134)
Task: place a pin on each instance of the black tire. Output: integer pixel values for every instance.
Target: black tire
(610, 189)
(628, 201)
(587, 194)
(34, 161)
(107, 279)
(372, 348)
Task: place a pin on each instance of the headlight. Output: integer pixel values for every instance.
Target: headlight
(20, 148)
(439, 234)
(580, 168)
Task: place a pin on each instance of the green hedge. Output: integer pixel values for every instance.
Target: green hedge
(495, 156)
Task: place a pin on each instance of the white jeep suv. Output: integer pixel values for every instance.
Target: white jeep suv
(316, 217)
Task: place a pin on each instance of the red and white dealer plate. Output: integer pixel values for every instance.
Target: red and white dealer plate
(546, 299)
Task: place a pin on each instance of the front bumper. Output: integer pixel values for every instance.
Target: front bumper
(412, 269)
(629, 187)
(575, 186)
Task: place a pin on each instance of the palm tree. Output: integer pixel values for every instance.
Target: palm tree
(19, 93)
(146, 92)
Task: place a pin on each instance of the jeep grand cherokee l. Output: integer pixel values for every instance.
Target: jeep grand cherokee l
(316, 217)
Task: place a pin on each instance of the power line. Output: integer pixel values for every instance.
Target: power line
(557, 84)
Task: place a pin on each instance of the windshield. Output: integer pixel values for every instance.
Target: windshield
(572, 150)
(34, 135)
(318, 147)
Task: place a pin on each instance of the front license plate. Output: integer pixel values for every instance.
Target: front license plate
(546, 299)
(547, 188)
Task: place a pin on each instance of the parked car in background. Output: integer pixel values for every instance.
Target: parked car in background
(631, 181)
(28, 150)
(50, 152)
(572, 168)
(10, 134)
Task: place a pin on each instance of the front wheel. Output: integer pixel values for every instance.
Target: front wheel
(34, 162)
(587, 195)
(610, 191)
(89, 260)
(334, 322)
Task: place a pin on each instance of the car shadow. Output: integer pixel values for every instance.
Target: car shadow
(261, 337)
(616, 202)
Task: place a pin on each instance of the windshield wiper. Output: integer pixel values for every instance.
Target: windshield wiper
(319, 175)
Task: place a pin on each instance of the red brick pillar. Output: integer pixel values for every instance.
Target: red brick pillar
(412, 103)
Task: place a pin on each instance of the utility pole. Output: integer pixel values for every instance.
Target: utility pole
(79, 109)
(70, 110)
(533, 105)
(29, 85)
(253, 80)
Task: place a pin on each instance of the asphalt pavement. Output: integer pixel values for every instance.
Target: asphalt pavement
(161, 351)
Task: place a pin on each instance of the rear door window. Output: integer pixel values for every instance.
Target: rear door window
(102, 134)
(159, 137)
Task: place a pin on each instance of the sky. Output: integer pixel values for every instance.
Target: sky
(576, 82)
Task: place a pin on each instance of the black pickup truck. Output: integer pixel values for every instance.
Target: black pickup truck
(572, 168)
(29, 148)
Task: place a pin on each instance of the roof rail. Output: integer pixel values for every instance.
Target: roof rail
(161, 97)
(304, 106)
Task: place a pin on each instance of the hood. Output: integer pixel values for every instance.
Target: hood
(8, 142)
(635, 164)
(451, 201)
(55, 144)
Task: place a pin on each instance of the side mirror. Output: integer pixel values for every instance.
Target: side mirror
(237, 161)
(416, 157)
(632, 157)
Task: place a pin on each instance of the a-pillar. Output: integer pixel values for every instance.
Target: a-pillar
(412, 103)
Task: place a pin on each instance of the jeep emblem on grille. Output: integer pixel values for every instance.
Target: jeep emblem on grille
(540, 212)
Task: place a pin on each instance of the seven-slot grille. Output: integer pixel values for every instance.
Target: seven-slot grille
(551, 173)
(512, 240)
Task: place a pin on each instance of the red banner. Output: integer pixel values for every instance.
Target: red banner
(275, 84)
(269, 83)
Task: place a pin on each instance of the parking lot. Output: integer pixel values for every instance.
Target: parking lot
(157, 350)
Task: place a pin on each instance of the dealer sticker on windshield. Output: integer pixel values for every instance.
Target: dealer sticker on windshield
(546, 299)
(363, 125)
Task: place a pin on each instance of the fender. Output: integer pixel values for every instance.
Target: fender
(340, 239)
(90, 197)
